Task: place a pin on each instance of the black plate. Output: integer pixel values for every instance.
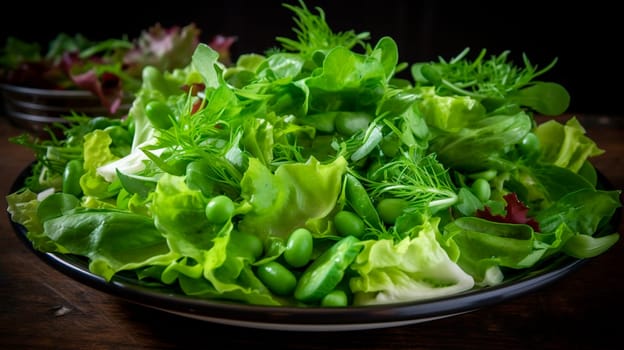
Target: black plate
(305, 319)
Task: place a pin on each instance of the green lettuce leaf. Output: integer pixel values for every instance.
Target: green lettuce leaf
(486, 246)
(483, 144)
(112, 240)
(449, 113)
(210, 263)
(295, 196)
(566, 145)
(415, 268)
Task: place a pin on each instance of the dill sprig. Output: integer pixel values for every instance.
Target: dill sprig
(493, 77)
(423, 182)
(204, 135)
(313, 33)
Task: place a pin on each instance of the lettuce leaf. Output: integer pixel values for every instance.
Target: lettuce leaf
(415, 268)
(113, 240)
(296, 195)
(566, 145)
(208, 262)
(482, 145)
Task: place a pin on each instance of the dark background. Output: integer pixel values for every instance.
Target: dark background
(585, 37)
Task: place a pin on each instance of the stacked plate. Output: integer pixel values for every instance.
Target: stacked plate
(34, 109)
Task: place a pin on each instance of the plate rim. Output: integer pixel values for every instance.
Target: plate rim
(313, 318)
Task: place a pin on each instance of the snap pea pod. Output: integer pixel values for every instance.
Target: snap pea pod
(359, 200)
(326, 272)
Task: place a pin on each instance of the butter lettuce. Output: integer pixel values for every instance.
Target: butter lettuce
(414, 268)
(296, 195)
(566, 145)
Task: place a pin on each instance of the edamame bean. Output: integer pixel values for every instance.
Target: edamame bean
(299, 246)
(481, 189)
(348, 223)
(71, 177)
(277, 278)
(335, 298)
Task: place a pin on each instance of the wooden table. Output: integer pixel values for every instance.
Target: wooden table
(41, 308)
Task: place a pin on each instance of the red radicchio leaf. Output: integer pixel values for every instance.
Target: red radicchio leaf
(516, 213)
(164, 48)
(222, 45)
(107, 88)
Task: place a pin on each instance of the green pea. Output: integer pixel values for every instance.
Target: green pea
(127, 122)
(390, 209)
(335, 298)
(71, 177)
(198, 177)
(481, 189)
(277, 278)
(159, 114)
(348, 223)
(298, 251)
(219, 209)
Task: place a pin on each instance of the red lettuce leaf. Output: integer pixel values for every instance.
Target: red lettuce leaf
(223, 44)
(164, 48)
(516, 213)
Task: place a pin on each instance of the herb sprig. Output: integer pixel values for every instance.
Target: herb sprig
(495, 80)
(313, 33)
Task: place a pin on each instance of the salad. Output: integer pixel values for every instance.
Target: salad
(108, 68)
(312, 175)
